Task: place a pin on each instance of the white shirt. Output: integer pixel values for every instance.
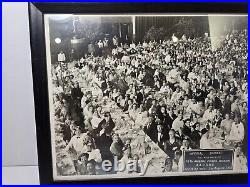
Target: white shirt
(205, 143)
(177, 124)
(226, 125)
(95, 121)
(100, 44)
(160, 135)
(240, 163)
(105, 42)
(77, 143)
(175, 39)
(58, 90)
(208, 115)
(61, 57)
(237, 132)
(115, 41)
(192, 75)
(132, 45)
(167, 58)
(125, 59)
(95, 155)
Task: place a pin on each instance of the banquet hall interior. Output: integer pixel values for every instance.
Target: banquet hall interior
(147, 87)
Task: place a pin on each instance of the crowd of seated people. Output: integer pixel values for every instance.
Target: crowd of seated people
(183, 94)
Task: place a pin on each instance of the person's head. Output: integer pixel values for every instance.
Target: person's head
(76, 85)
(89, 146)
(193, 100)
(168, 165)
(187, 122)
(177, 155)
(185, 142)
(186, 97)
(180, 115)
(136, 157)
(163, 109)
(115, 138)
(141, 108)
(159, 128)
(210, 108)
(170, 111)
(88, 95)
(171, 133)
(90, 108)
(134, 106)
(99, 109)
(230, 98)
(126, 97)
(227, 116)
(232, 84)
(78, 130)
(83, 157)
(177, 89)
(107, 116)
(237, 119)
(91, 167)
(238, 149)
(68, 117)
(64, 101)
(217, 112)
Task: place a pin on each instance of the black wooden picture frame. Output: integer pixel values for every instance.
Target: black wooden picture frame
(40, 83)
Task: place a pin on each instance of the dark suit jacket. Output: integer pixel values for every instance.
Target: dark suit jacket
(139, 98)
(186, 131)
(160, 142)
(169, 120)
(214, 83)
(217, 103)
(108, 126)
(76, 93)
(151, 130)
(226, 107)
(168, 148)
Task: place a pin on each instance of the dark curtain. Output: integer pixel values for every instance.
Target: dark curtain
(144, 23)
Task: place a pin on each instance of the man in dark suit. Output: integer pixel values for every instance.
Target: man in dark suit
(140, 96)
(226, 105)
(214, 83)
(160, 137)
(104, 85)
(106, 125)
(170, 118)
(76, 93)
(150, 128)
(217, 103)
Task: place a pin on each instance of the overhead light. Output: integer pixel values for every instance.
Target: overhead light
(58, 40)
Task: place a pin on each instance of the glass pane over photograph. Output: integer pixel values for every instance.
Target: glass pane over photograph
(147, 95)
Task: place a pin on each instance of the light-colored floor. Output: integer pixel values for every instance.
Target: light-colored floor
(20, 175)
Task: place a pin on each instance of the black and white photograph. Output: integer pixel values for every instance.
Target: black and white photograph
(147, 95)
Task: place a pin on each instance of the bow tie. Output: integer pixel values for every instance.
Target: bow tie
(78, 137)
